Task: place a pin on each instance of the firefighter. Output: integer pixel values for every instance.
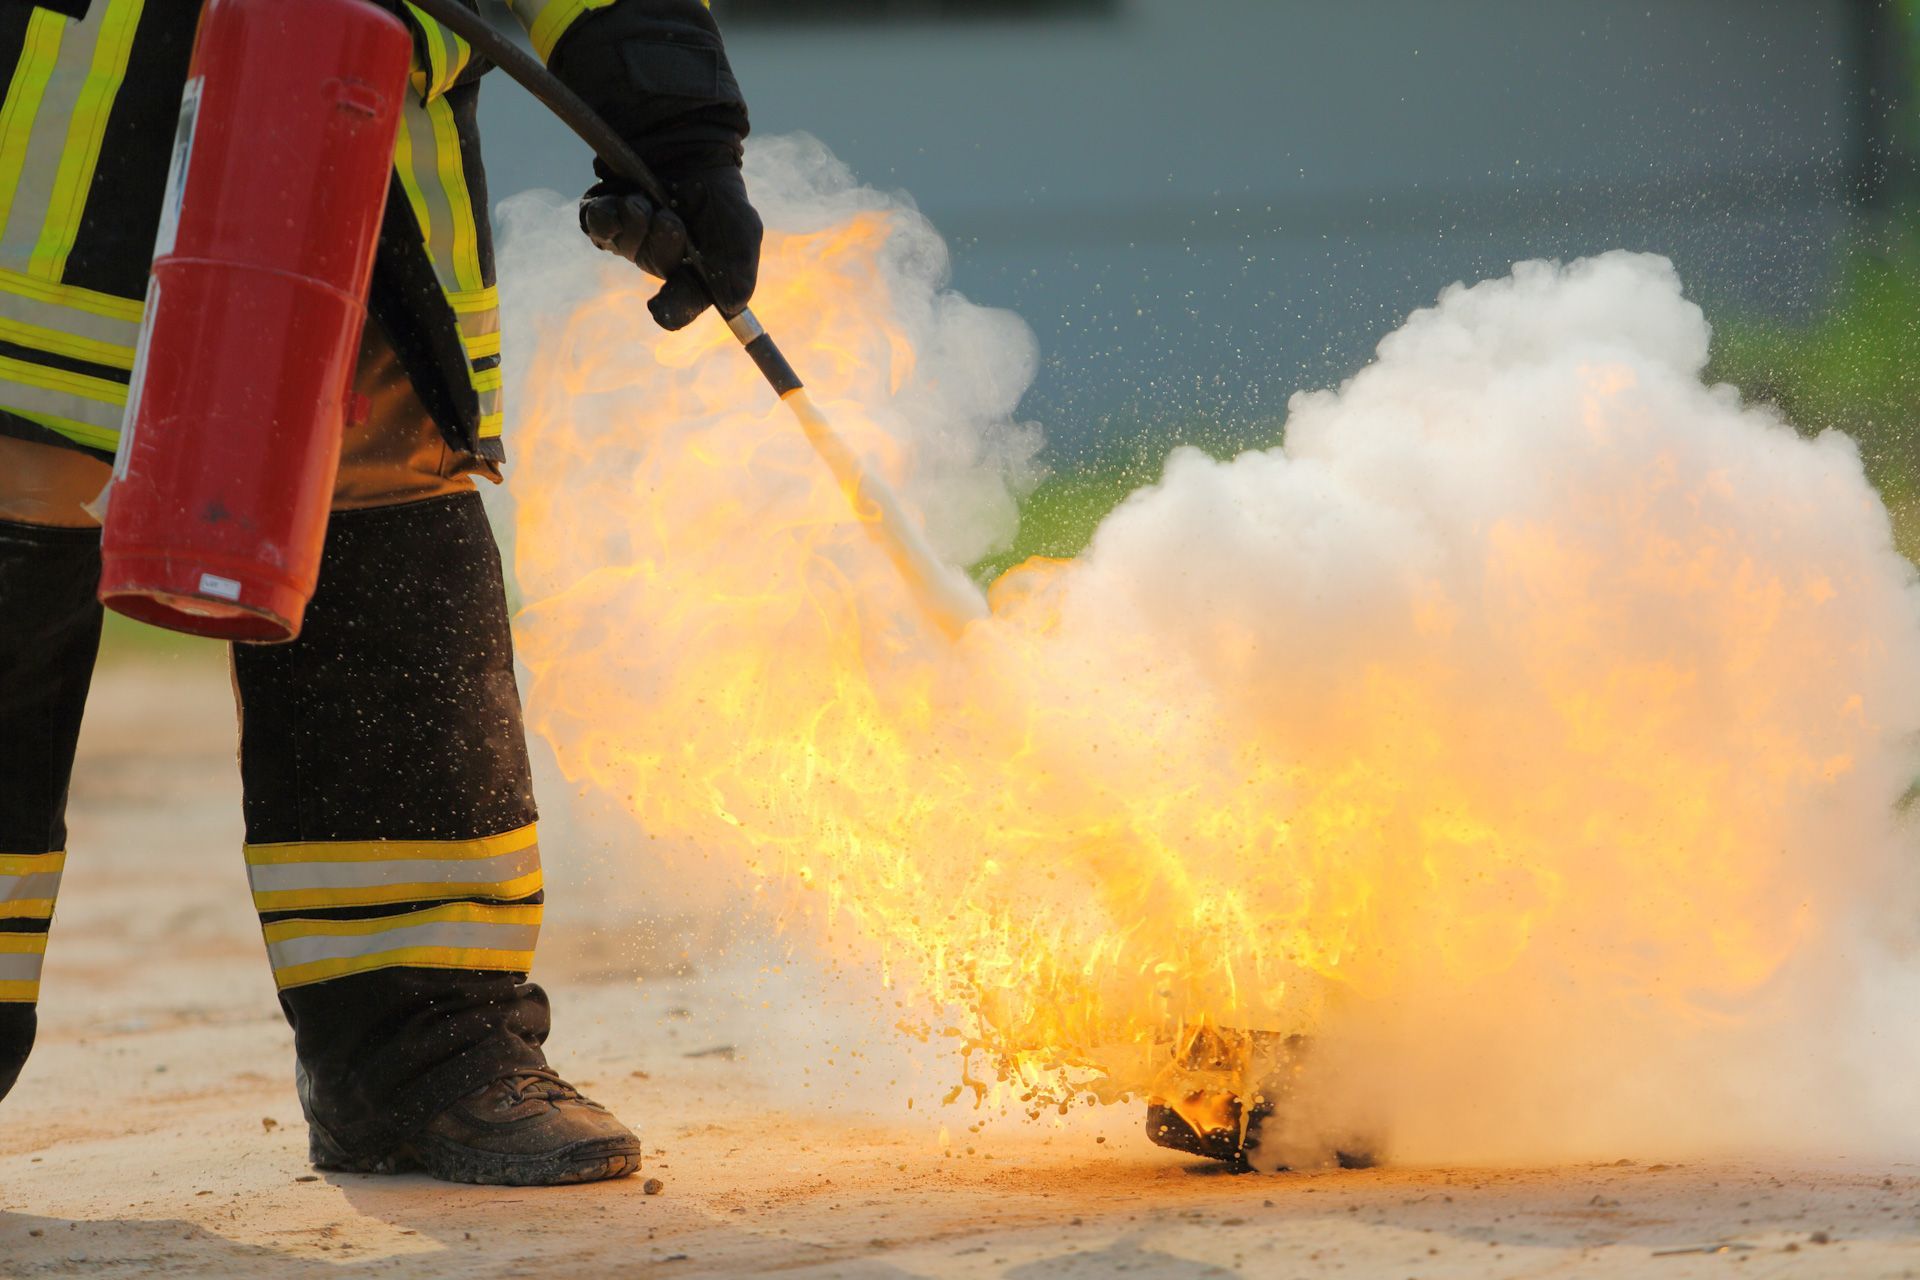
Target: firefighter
(390, 825)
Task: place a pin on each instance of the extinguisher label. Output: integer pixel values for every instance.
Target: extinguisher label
(212, 584)
(177, 171)
(136, 383)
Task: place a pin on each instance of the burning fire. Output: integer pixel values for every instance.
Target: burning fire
(1537, 700)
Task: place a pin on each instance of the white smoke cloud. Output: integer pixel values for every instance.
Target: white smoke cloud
(1529, 728)
(1669, 682)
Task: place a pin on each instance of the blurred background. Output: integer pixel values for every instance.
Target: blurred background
(1204, 207)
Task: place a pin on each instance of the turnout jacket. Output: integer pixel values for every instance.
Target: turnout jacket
(86, 135)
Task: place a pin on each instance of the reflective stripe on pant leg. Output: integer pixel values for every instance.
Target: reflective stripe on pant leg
(329, 908)
(456, 935)
(29, 883)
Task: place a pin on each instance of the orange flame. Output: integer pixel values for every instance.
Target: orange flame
(1072, 840)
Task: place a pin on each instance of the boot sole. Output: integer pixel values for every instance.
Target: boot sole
(598, 1161)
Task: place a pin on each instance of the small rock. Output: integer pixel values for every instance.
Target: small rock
(268, 1124)
(653, 1186)
(1820, 1237)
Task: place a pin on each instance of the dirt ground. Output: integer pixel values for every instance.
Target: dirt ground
(155, 1130)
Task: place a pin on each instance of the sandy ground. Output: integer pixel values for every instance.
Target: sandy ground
(155, 1131)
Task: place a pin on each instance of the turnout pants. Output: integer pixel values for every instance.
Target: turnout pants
(390, 837)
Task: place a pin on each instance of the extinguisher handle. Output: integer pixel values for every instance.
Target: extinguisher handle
(622, 159)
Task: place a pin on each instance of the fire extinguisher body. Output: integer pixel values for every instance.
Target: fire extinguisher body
(218, 508)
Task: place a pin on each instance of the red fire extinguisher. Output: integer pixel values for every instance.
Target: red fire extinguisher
(218, 506)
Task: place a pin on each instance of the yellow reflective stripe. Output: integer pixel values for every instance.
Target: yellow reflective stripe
(471, 302)
(447, 56)
(388, 894)
(77, 162)
(30, 76)
(84, 409)
(106, 439)
(326, 874)
(409, 180)
(54, 342)
(456, 936)
(279, 854)
(301, 975)
(547, 20)
(22, 992)
(478, 312)
(29, 883)
(443, 206)
(426, 80)
(22, 955)
(31, 864)
(65, 382)
(465, 249)
(108, 305)
(451, 913)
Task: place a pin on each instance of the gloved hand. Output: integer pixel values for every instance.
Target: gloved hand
(657, 72)
(710, 210)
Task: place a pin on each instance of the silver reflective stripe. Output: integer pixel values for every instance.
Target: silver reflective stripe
(445, 935)
(373, 873)
(102, 405)
(434, 208)
(40, 886)
(33, 192)
(479, 324)
(18, 966)
(58, 318)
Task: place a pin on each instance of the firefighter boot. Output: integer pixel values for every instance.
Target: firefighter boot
(532, 1129)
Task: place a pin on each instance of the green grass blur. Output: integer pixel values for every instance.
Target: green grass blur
(1855, 367)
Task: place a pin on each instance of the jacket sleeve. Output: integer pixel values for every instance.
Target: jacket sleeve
(547, 21)
(656, 71)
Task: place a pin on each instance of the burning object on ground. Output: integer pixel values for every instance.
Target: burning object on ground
(1235, 1096)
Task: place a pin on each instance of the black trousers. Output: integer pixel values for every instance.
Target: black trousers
(389, 809)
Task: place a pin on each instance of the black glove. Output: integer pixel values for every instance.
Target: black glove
(710, 210)
(656, 71)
